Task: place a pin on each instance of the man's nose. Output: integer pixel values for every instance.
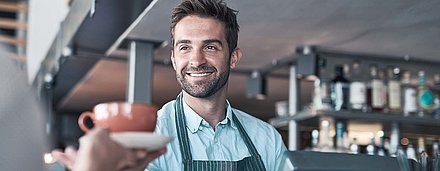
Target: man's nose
(197, 58)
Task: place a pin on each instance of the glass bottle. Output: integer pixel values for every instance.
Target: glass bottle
(375, 91)
(339, 90)
(425, 97)
(321, 98)
(339, 137)
(436, 105)
(383, 77)
(354, 147)
(421, 148)
(435, 149)
(371, 148)
(358, 90)
(411, 152)
(394, 102)
(325, 93)
(381, 151)
(409, 95)
(394, 139)
(315, 140)
(387, 146)
(325, 141)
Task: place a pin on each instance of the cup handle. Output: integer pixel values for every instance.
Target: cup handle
(82, 118)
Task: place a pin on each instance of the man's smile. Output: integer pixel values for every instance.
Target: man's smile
(198, 74)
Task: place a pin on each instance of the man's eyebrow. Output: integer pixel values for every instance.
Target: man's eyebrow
(213, 41)
(182, 41)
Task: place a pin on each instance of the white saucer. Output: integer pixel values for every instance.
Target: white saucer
(147, 140)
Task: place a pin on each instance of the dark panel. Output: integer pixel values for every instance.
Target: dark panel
(111, 19)
(72, 70)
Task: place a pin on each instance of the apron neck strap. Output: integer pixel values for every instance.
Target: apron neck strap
(182, 133)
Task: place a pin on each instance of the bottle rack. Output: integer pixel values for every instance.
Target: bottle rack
(410, 124)
(319, 63)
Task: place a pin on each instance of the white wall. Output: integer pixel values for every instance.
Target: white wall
(44, 21)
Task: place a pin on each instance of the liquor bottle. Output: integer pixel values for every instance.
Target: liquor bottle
(325, 93)
(421, 146)
(394, 102)
(339, 90)
(375, 91)
(424, 96)
(436, 105)
(386, 146)
(435, 149)
(383, 77)
(325, 141)
(371, 148)
(354, 147)
(321, 98)
(381, 151)
(340, 136)
(411, 152)
(315, 140)
(409, 95)
(394, 139)
(358, 90)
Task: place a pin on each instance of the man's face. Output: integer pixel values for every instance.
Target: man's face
(200, 55)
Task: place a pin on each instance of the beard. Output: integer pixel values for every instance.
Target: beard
(205, 88)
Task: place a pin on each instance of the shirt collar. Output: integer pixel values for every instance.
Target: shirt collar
(194, 121)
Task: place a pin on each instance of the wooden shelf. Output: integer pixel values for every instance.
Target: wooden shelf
(373, 117)
(409, 124)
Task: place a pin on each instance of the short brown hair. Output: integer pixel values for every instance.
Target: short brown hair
(208, 8)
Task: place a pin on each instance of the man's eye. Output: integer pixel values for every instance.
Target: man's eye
(211, 48)
(183, 48)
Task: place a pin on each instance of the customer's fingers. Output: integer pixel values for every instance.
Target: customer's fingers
(139, 159)
(154, 154)
(63, 158)
(71, 152)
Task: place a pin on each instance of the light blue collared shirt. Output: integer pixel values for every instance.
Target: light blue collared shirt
(225, 143)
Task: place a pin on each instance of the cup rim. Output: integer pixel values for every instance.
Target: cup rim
(141, 104)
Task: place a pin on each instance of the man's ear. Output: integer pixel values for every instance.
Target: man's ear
(235, 57)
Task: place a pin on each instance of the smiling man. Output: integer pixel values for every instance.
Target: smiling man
(210, 134)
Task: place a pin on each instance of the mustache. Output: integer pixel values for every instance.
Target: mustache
(201, 68)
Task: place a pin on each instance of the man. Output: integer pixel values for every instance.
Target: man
(211, 135)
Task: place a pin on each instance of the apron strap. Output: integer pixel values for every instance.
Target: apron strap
(184, 142)
(249, 144)
(182, 134)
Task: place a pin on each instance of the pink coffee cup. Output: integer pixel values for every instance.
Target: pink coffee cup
(121, 117)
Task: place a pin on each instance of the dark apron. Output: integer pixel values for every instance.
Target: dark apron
(251, 163)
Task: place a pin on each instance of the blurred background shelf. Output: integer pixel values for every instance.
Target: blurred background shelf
(409, 124)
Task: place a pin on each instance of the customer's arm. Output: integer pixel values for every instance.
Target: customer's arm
(99, 152)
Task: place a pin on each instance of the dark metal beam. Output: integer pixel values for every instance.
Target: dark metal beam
(140, 72)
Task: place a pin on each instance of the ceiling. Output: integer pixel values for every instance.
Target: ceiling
(271, 30)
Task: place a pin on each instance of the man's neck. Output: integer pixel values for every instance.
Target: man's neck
(212, 109)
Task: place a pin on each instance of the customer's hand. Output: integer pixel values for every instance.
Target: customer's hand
(99, 152)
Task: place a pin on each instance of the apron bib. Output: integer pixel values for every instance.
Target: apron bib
(251, 163)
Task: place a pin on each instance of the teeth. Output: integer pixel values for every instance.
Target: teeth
(199, 75)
